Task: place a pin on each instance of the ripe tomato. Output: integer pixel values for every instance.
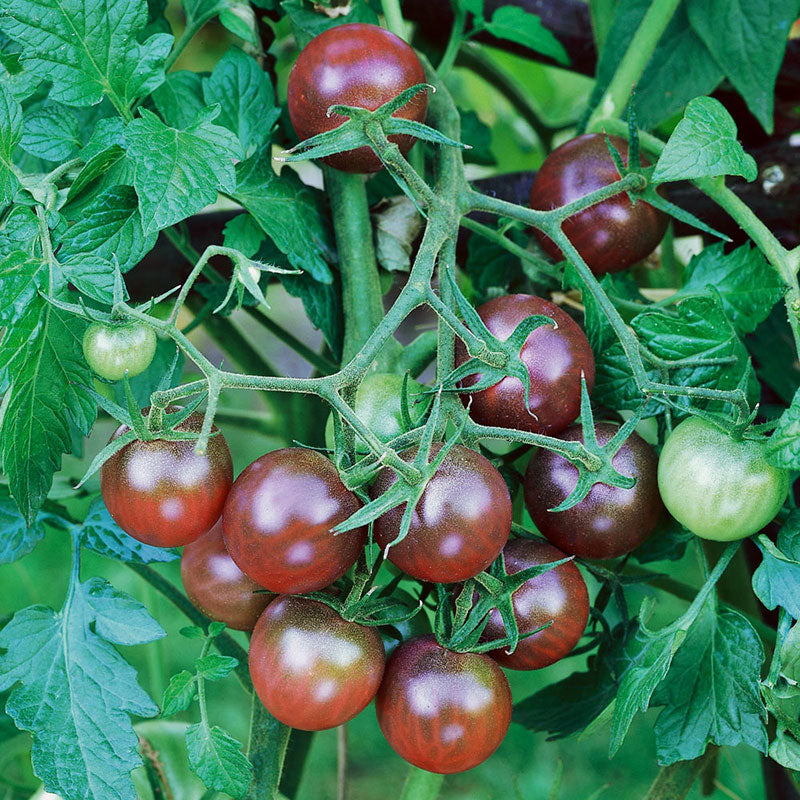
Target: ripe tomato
(719, 488)
(556, 356)
(278, 519)
(461, 522)
(558, 596)
(161, 493)
(312, 669)
(611, 235)
(440, 710)
(217, 587)
(353, 65)
(609, 521)
(113, 350)
(379, 406)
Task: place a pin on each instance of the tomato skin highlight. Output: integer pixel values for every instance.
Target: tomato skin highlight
(310, 668)
(442, 711)
(278, 519)
(609, 521)
(611, 235)
(161, 493)
(558, 596)
(555, 356)
(113, 350)
(460, 524)
(719, 488)
(354, 65)
(217, 587)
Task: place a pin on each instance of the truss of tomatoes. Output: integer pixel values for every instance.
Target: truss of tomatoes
(252, 545)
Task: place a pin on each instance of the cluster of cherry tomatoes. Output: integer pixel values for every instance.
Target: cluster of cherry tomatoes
(254, 546)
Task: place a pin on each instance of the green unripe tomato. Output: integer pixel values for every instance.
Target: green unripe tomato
(718, 487)
(110, 350)
(379, 406)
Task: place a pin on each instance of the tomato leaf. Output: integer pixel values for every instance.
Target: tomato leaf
(51, 132)
(704, 144)
(87, 60)
(246, 98)
(749, 46)
(179, 99)
(667, 542)
(711, 693)
(179, 694)
(213, 667)
(217, 759)
(100, 533)
(178, 172)
(10, 137)
(517, 25)
(289, 212)
(783, 447)
(74, 692)
(17, 538)
(308, 23)
(777, 577)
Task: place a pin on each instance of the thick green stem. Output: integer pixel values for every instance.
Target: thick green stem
(267, 751)
(635, 60)
(421, 785)
(361, 286)
(675, 781)
(394, 17)
(295, 761)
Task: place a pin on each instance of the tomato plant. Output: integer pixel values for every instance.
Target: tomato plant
(460, 524)
(611, 235)
(217, 240)
(555, 356)
(278, 519)
(113, 352)
(310, 668)
(557, 598)
(442, 711)
(161, 492)
(354, 65)
(611, 520)
(218, 587)
(719, 487)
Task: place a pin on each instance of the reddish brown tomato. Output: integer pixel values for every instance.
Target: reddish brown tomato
(558, 596)
(161, 493)
(611, 235)
(217, 587)
(556, 356)
(442, 711)
(609, 521)
(460, 524)
(278, 519)
(312, 669)
(354, 65)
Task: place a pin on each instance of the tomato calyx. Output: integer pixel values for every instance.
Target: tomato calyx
(368, 128)
(357, 599)
(459, 623)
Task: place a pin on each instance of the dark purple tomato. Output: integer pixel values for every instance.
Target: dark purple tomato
(442, 711)
(279, 517)
(312, 669)
(354, 65)
(556, 356)
(217, 587)
(558, 596)
(460, 524)
(611, 235)
(161, 493)
(609, 521)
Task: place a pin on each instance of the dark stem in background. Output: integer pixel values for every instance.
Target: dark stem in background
(675, 781)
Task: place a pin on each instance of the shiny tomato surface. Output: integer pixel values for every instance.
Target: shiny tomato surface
(279, 517)
(161, 492)
(611, 235)
(217, 587)
(440, 710)
(311, 668)
(556, 356)
(558, 597)
(609, 521)
(460, 524)
(354, 65)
